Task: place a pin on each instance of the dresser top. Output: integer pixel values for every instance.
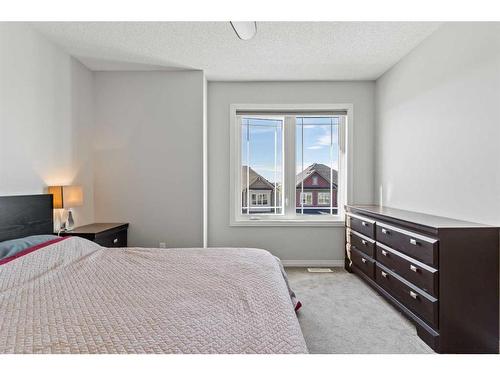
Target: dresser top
(426, 220)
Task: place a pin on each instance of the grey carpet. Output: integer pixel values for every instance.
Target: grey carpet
(341, 314)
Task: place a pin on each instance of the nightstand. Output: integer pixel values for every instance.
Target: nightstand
(104, 234)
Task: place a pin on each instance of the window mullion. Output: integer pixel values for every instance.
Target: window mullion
(275, 168)
(302, 165)
(248, 166)
(331, 165)
(289, 166)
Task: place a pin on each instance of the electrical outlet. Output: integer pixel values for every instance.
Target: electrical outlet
(163, 245)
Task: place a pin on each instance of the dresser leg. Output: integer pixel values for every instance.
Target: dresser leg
(430, 338)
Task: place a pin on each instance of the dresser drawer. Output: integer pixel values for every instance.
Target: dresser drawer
(361, 225)
(364, 263)
(424, 249)
(416, 300)
(423, 276)
(113, 239)
(362, 243)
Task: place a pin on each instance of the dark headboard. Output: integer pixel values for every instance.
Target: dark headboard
(25, 215)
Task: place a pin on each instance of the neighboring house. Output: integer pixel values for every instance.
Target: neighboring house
(313, 189)
(261, 192)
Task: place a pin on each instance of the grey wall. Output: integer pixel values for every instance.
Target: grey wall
(46, 118)
(148, 155)
(438, 126)
(289, 243)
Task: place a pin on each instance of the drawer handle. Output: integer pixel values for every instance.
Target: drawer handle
(384, 274)
(363, 260)
(115, 240)
(364, 223)
(384, 253)
(413, 241)
(413, 268)
(385, 231)
(364, 242)
(413, 294)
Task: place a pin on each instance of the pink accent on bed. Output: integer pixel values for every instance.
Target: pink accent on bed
(31, 249)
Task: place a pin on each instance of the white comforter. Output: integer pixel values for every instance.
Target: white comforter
(77, 297)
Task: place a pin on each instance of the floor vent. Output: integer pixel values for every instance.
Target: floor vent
(319, 270)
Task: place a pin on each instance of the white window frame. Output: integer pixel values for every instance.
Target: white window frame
(279, 118)
(344, 193)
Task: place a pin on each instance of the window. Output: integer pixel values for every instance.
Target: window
(261, 156)
(306, 198)
(260, 199)
(323, 198)
(288, 165)
(317, 157)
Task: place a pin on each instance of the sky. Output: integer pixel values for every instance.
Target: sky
(265, 136)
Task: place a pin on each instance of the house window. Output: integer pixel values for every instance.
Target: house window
(323, 198)
(281, 158)
(260, 199)
(306, 198)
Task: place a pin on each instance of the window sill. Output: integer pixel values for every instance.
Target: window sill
(288, 223)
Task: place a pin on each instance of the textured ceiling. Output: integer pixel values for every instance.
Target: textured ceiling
(279, 51)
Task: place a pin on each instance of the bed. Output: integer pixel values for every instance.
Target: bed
(70, 295)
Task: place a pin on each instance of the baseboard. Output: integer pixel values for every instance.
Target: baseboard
(313, 263)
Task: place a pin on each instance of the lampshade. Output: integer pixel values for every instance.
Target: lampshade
(66, 196)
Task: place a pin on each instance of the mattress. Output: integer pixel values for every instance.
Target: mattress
(75, 296)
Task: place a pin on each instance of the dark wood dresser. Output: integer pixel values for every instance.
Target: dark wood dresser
(441, 273)
(105, 234)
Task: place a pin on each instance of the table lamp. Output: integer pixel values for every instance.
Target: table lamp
(67, 197)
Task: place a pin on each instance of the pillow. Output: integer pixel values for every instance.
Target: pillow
(12, 247)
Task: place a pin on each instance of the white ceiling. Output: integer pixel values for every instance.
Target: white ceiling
(279, 51)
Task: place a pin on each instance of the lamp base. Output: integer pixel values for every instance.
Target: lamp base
(70, 223)
(58, 220)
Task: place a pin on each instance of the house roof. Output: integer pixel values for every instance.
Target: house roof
(321, 169)
(253, 177)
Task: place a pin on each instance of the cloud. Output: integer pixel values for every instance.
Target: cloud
(322, 141)
(266, 168)
(261, 130)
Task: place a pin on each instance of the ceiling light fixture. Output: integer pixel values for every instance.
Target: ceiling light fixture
(245, 30)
